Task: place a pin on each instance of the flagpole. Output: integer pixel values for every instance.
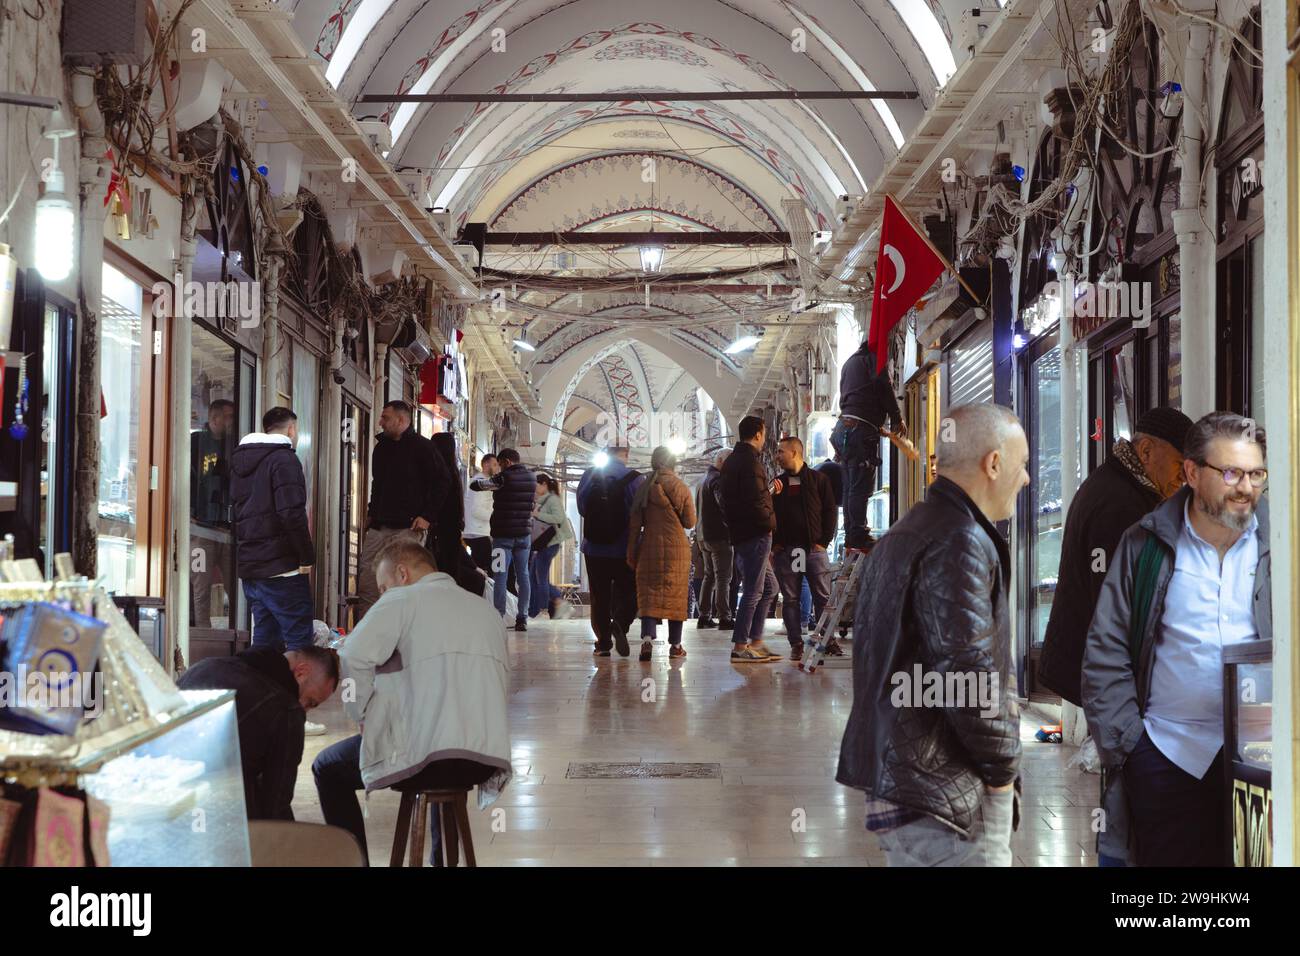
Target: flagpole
(926, 238)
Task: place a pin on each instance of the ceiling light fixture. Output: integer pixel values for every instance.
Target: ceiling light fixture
(55, 221)
(652, 258)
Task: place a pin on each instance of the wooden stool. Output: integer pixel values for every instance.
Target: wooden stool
(453, 822)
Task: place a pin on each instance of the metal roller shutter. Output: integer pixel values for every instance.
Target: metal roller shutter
(970, 368)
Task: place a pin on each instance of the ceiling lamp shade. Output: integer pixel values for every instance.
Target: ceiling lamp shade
(652, 258)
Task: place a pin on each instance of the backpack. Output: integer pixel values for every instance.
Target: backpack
(605, 521)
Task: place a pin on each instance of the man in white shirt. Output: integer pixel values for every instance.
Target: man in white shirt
(1154, 705)
(429, 683)
(478, 514)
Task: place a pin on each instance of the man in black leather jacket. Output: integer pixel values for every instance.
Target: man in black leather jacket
(934, 734)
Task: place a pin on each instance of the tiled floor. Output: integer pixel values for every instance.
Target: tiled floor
(774, 730)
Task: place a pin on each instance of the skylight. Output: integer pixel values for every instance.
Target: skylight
(920, 19)
(846, 61)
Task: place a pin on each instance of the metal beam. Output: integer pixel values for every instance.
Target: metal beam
(660, 96)
(748, 238)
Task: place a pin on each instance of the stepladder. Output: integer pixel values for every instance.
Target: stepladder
(844, 591)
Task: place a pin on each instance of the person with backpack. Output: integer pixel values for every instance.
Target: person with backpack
(1187, 580)
(660, 553)
(605, 494)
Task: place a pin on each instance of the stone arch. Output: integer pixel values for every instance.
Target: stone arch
(558, 383)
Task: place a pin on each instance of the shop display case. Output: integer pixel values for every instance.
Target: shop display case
(166, 762)
(1248, 750)
(172, 783)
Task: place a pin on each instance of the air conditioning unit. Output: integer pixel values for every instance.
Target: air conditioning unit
(442, 216)
(412, 344)
(846, 206)
(99, 32)
(378, 133)
(971, 28)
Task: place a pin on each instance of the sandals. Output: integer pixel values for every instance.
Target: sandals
(646, 647)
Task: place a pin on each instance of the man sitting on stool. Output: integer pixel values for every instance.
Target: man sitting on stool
(431, 682)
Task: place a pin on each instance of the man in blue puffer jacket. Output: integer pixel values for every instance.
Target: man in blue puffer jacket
(513, 492)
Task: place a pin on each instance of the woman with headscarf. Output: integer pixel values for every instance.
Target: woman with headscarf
(658, 550)
(447, 547)
(553, 529)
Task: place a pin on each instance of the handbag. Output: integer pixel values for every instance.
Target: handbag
(543, 534)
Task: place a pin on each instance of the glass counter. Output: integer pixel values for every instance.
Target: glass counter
(1248, 750)
(173, 783)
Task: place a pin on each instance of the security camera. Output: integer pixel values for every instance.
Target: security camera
(338, 377)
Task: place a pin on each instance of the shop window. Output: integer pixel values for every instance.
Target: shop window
(1045, 514)
(1123, 394)
(1174, 362)
(306, 404)
(214, 433)
(121, 534)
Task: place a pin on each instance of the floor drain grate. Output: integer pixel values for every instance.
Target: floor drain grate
(637, 771)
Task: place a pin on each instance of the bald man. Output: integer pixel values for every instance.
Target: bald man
(934, 734)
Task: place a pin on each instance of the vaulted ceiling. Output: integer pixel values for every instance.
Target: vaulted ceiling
(715, 165)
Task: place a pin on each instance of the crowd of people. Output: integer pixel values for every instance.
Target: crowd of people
(1164, 561)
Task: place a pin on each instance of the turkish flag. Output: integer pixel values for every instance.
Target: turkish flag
(906, 267)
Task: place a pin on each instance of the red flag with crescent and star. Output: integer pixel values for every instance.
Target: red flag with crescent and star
(906, 267)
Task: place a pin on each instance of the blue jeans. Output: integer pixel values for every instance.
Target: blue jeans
(759, 585)
(805, 601)
(650, 630)
(282, 610)
(815, 578)
(505, 552)
(543, 592)
(927, 842)
(860, 455)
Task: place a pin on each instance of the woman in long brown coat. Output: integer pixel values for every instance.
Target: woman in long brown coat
(659, 552)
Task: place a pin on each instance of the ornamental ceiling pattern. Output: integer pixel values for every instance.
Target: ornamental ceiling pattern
(683, 188)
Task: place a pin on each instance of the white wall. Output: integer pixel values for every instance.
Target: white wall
(1280, 255)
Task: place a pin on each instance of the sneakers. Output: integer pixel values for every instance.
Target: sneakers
(705, 622)
(646, 649)
(725, 625)
(521, 624)
(676, 650)
(833, 648)
(749, 654)
(313, 729)
(796, 652)
(620, 642)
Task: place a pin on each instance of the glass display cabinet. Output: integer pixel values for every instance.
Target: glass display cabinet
(1248, 750)
(172, 782)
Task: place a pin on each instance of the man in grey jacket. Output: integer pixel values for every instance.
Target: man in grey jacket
(1200, 566)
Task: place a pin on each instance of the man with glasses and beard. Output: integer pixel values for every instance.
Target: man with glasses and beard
(1189, 578)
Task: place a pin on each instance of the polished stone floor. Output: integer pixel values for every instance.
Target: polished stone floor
(774, 731)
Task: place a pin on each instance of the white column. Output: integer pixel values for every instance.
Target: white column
(1195, 242)
(1282, 332)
